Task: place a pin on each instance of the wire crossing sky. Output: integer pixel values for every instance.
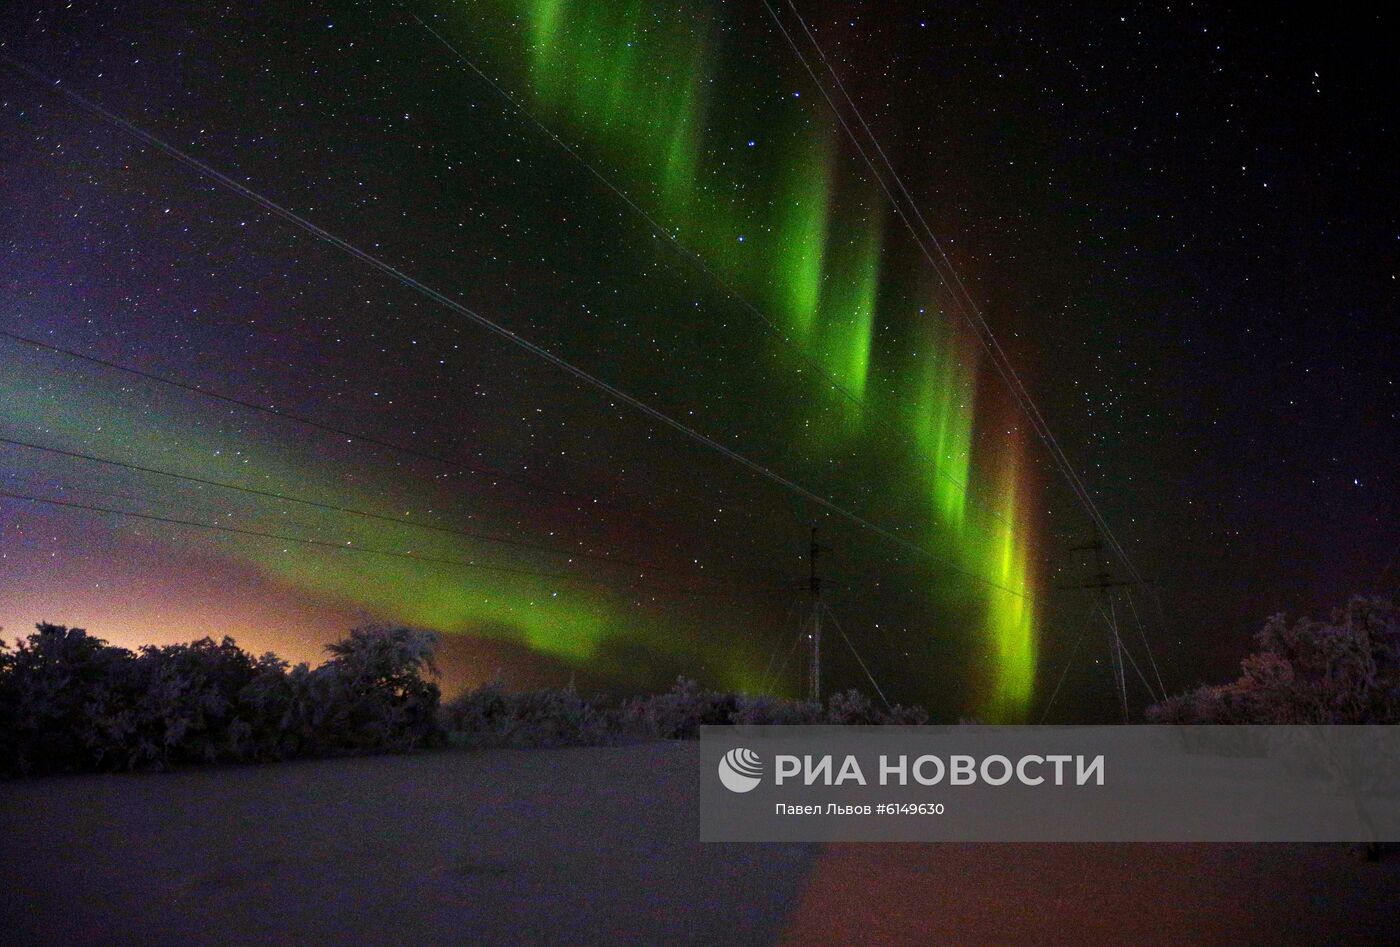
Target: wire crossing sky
(616, 294)
(797, 226)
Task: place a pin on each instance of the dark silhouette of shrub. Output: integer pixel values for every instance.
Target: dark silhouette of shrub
(60, 694)
(492, 716)
(1345, 670)
(71, 702)
(375, 694)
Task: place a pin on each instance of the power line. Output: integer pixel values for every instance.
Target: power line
(41, 481)
(773, 658)
(859, 660)
(524, 483)
(301, 419)
(492, 326)
(1152, 695)
(1104, 583)
(1142, 632)
(336, 508)
(348, 547)
(969, 308)
(1074, 649)
(792, 648)
(1019, 389)
(685, 251)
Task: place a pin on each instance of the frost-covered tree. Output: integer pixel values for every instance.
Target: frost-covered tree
(69, 701)
(1345, 670)
(185, 703)
(375, 692)
(491, 715)
(56, 687)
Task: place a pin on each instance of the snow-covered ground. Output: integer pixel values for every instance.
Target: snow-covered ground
(582, 846)
(1098, 894)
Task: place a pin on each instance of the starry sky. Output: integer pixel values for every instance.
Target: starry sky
(1178, 220)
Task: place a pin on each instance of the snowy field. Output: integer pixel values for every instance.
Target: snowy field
(580, 846)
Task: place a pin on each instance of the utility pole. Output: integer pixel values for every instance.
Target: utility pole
(814, 625)
(1102, 581)
(814, 588)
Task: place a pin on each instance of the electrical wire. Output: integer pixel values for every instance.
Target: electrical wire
(1074, 650)
(362, 550)
(284, 415)
(492, 326)
(972, 313)
(1142, 632)
(960, 295)
(969, 310)
(859, 660)
(685, 251)
(332, 507)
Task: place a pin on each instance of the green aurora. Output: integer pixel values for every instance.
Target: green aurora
(652, 93)
(744, 169)
(574, 620)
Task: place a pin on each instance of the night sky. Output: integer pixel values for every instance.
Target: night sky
(1179, 221)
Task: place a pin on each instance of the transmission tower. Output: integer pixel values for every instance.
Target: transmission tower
(1103, 582)
(818, 619)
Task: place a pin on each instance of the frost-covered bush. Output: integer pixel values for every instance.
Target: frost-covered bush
(182, 705)
(372, 694)
(852, 708)
(1345, 670)
(70, 702)
(900, 715)
(274, 706)
(487, 711)
(492, 716)
(679, 713)
(58, 690)
(764, 710)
